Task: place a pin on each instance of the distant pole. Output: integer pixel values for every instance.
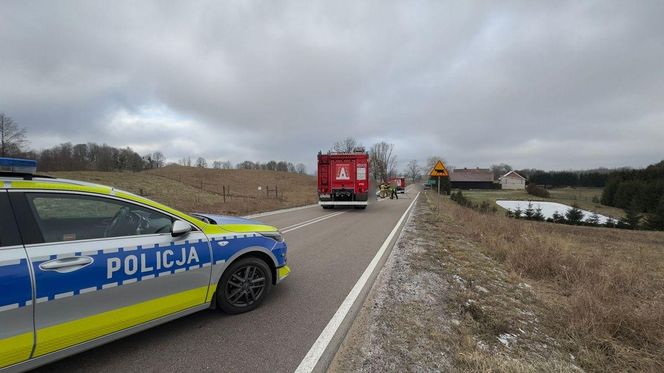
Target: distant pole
(438, 210)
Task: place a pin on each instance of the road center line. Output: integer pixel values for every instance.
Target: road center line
(312, 219)
(309, 222)
(309, 362)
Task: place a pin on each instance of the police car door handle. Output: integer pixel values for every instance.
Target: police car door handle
(66, 264)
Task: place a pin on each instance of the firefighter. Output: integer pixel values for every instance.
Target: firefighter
(383, 190)
(393, 192)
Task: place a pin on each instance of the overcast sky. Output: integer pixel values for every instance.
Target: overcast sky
(548, 84)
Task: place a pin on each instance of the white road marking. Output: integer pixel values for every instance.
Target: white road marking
(316, 351)
(311, 221)
(9, 307)
(278, 211)
(64, 295)
(88, 290)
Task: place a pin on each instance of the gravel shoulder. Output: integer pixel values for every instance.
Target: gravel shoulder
(439, 304)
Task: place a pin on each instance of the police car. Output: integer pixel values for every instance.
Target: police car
(83, 264)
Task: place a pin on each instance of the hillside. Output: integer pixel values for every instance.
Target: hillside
(195, 189)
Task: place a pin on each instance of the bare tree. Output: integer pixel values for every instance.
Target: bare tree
(500, 170)
(246, 165)
(383, 162)
(12, 137)
(346, 145)
(201, 162)
(413, 170)
(158, 159)
(300, 168)
(226, 165)
(185, 161)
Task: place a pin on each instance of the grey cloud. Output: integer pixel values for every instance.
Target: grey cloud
(536, 84)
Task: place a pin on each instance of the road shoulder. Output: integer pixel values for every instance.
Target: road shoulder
(439, 304)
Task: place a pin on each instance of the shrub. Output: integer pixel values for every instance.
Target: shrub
(574, 215)
(558, 217)
(537, 191)
(530, 212)
(517, 212)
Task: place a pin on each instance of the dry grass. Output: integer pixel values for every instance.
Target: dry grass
(193, 189)
(602, 289)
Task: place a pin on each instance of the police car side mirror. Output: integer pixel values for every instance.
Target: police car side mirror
(179, 228)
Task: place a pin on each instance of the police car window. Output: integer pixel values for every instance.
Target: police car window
(63, 217)
(8, 230)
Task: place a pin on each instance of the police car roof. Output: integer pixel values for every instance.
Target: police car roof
(39, 182)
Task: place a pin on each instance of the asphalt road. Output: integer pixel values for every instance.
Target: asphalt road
(327, 258)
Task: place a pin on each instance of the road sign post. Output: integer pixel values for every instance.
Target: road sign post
(439, 171)
(438, 209)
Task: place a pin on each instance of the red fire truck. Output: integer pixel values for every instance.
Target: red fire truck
(400, 183)
(343, 179)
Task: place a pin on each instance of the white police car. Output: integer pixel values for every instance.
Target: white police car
(83, 264)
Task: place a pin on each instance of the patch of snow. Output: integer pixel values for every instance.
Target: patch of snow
(548, 208)
(507, 339)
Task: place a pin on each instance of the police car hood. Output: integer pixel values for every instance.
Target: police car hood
(235, 224)
(224, 219)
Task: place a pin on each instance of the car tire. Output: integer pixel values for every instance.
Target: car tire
(244, 285)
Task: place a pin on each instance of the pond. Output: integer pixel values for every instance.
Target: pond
(548, 208)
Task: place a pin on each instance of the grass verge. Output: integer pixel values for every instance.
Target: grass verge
(465, 291)
(602, 289)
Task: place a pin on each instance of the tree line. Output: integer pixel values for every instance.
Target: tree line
(589, 178)
(638, 192)
(103, 157)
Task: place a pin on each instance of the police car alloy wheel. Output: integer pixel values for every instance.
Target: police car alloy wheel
(244, 285)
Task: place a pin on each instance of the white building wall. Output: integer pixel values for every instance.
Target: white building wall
(513, 183)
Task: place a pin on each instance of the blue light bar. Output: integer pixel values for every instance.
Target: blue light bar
(23, 166)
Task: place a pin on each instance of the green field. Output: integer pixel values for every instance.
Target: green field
(583, 197)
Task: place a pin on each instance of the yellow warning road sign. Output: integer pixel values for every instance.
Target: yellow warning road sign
(439, 170)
